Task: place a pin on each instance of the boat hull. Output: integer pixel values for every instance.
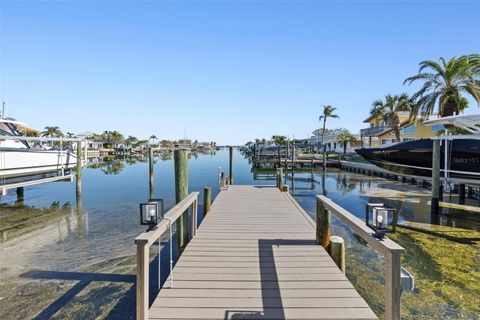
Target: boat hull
(415, 158)
(26, 162)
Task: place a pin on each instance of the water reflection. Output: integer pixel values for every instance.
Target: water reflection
(354, 191)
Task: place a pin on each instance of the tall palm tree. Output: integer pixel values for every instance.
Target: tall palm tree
(389, 108)
(328, 112)
(153, 138)
(344, 138)
(445, 82)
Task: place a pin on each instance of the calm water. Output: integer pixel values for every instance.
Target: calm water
(60, 258)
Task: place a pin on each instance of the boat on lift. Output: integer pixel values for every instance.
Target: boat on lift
(460, 153)
(23, 157)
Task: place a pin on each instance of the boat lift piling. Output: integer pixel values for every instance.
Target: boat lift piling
(435, 208)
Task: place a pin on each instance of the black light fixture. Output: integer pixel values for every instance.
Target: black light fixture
(151, 212)
(381, 219)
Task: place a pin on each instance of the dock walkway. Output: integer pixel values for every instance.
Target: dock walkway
(255, 257)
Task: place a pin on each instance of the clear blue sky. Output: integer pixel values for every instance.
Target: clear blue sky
(226, 71)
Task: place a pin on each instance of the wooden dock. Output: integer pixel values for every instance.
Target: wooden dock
(254, 257)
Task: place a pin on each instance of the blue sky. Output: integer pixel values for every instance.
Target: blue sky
(228, 71)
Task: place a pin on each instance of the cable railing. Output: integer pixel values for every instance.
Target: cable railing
(145, 240)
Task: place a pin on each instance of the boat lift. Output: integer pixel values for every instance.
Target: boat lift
(58, 174)
(469, 123)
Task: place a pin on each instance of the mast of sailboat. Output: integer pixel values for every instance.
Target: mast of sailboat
(3, 110)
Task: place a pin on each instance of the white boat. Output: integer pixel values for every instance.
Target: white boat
(20, 158)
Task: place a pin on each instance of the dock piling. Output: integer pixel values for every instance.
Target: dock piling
(78, 169)
(434, 208)
(207, 200)
(337, 251)
(230, 149)
(181, 191)
(461, 193)
(323, 220)
(150, 172)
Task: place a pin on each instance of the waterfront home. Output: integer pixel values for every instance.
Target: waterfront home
(183, 144)
(379, 133)
(330, 140)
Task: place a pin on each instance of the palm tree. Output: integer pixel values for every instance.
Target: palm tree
(389, 108)
(445, 82)
(52, 132)
(71, 135)
(31, 133)
(153, 138)
(116, 136)
(279, 140)
(346, 137)
(328, 112)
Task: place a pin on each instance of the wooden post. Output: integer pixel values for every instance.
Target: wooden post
(280, 179)
(324, 166)
(20, 195)
(285, 188)
(78, 169)
(323, 219)
(461, 193)
(143, 260)
(207, 200)
(150, 172)
(434, 208)
(230, 149)
(392, 285)
(337, 251)
(181, 191)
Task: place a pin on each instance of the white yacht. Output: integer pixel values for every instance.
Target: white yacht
(22, 158)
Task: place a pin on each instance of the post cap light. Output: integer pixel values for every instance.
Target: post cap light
(381, 219)
(151, 212)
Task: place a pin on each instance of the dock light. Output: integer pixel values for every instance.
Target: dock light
(381, 219)
(151, 212)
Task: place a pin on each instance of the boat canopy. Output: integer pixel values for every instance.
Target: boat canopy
(470, 123)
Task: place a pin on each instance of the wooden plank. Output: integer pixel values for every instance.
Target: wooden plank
(261, 313)
(258, 285)
(267, 293)
(260, 302)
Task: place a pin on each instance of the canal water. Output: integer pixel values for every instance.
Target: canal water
(64, 257)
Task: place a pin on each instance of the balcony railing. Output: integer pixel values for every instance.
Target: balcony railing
(373, 131)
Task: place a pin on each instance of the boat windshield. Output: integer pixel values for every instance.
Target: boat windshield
(10, 129)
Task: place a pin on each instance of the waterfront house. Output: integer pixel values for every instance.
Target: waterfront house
(379, 133)
(330, 140)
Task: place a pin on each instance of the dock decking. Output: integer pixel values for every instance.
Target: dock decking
(255, 257)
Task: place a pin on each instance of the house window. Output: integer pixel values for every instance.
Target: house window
(437, 127)
(411, 129)
(408, 139)
(334, 145)
(384, 141)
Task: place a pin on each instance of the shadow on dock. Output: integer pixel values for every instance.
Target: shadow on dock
(271, 292)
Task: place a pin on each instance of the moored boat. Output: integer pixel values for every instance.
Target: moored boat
(19, 158)
(460, 155)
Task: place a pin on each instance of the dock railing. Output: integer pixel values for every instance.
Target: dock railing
(386, 247)
(146, 239)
